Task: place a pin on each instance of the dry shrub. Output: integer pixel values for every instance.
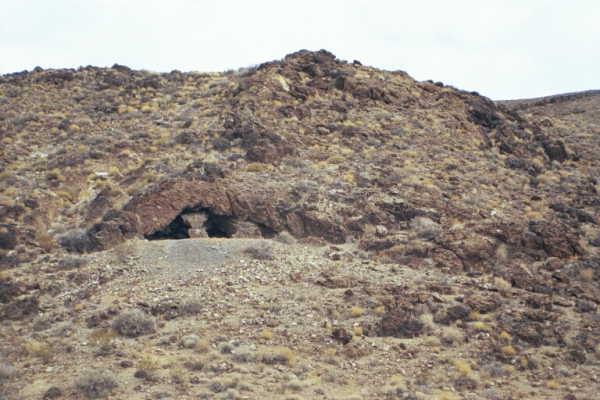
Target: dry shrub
(266, 333)
(9, 289)
(96, 384)
(277, 355)
(44, 239)
(587, 274)
(502, 285)
(356, 312)
(147, 368)
(70, 262)
(452, 335)
(262, 253)
(257, 167)
(133, 323)
(191, 307)
(243, 354)
(7, 372)
(42, 350)
(8, 239)
(76, 241)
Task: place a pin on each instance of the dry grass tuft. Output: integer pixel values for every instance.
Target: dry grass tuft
(266, 333)
(356, 312)
(379, 310)
(277, 355)
(42, 350)
(501, 284)
(147, 368)
(587, 274)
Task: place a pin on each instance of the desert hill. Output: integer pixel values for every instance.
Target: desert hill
(352, 232)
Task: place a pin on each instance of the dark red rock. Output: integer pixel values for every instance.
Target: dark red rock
(483, 304)
(530, 332)
(400, 324)
(555, 149)
(556, 239)
(341, 335)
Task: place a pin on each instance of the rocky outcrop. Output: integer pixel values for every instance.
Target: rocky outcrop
(401, 324)
(248, 211)
(417, 173)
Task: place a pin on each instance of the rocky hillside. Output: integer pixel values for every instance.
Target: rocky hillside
(494, 207)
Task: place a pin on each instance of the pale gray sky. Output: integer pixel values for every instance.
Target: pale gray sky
(503, 49)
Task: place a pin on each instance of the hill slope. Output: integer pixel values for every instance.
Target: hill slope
(400, 215)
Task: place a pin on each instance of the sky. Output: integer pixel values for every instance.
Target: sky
(503, 49)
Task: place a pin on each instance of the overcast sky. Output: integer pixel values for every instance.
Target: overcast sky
(503, 49)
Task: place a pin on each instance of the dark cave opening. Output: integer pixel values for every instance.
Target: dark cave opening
(220, 226)
(177, 229)
(194, 223)
(266, 232)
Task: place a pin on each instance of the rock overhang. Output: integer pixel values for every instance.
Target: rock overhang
(180, 208)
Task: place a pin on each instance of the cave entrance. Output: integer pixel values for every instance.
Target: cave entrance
(200, 223)
(177, 229)
(220, 226)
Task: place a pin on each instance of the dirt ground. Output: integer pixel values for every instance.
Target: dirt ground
(259, 318)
